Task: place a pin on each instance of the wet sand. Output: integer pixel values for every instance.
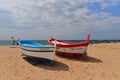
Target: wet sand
(102, 63)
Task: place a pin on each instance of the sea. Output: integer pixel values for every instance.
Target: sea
(9, 42)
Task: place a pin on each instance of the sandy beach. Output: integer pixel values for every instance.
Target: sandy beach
(102, 63)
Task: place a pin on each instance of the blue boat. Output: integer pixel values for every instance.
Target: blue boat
(34, 49)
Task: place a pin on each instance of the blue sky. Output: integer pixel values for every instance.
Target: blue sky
(62, 19)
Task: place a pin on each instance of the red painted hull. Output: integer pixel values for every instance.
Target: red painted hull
(70, 49)
(71, 54)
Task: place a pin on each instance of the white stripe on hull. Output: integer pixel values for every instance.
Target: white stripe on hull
(78, 50)
(39, 49)
(46, 55)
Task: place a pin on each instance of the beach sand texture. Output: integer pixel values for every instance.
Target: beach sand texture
(102, 63)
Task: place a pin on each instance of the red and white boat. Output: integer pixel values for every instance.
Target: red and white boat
(70, 49)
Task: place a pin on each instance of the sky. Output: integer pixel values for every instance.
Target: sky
(62, 19)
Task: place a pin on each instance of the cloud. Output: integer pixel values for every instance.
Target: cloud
(59, 18)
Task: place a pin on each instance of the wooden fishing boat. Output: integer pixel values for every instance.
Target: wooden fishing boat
(70, 49)
(37, 50)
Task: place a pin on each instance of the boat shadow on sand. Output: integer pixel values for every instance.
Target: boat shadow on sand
(57, 66)
(84, 59)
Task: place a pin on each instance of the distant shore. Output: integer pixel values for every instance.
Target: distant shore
(9, 42)
(102, 63)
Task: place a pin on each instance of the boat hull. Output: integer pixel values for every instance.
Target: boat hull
(78, 52)
(43, 53)
(38, 52)
(70, 49)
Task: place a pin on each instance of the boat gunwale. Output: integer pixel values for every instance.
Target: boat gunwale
(30, 46)
(36, 47)
(69, 44)
(86, 43)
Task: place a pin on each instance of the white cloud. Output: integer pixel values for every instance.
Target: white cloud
(52, 17)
